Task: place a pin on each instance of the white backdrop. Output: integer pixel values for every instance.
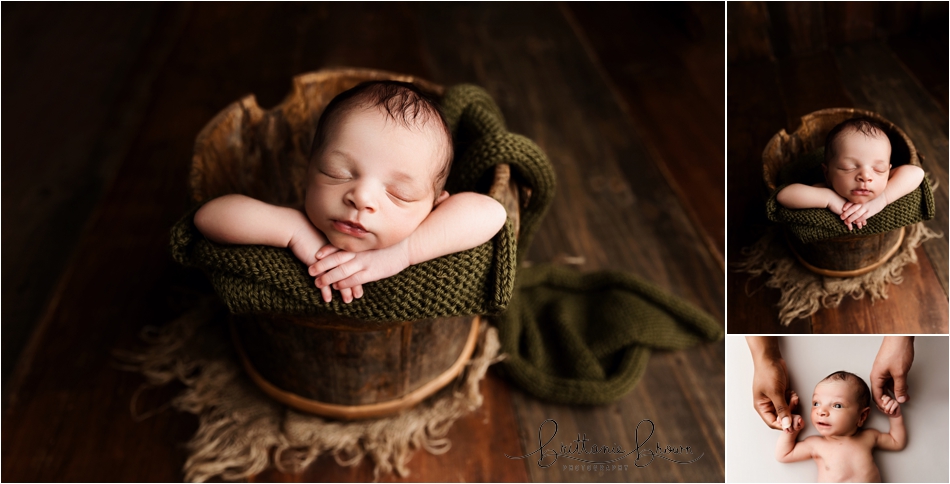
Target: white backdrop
(750, 445)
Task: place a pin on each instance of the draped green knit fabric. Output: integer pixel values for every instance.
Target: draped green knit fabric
(269, 280)
(814, 224)
(578, 338)
(478, 129)
(570, 337)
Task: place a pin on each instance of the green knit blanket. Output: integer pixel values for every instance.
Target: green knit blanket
(570, 337)
(267, 280)
(814, 224)
(585, 338)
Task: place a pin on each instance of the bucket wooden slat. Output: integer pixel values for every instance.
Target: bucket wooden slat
(850, 255)
(332, 366)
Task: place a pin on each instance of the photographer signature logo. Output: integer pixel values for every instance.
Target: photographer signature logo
(581, 450)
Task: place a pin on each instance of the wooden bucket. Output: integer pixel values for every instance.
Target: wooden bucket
(850, 255)
(330, 365)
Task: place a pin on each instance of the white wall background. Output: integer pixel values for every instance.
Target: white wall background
(750, 445)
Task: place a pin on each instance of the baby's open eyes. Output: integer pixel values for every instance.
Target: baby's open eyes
(837, 405)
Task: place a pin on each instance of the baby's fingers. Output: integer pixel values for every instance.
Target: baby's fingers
(848, 209)
(358, 291)
(327, 293)
(347, 295)
(326, 250)
(330, 262)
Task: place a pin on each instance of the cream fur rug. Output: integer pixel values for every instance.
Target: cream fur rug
(804, 292)
(240, 428)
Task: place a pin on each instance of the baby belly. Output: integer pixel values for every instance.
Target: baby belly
(863, 473)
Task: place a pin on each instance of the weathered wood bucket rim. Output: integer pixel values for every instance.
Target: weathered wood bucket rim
(770, 176)
(413, 371)
(809, 135)
(852, 273)
(353, 412)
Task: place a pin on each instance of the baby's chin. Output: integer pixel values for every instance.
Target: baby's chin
(829, 431)
(352, 244)
(859, 197)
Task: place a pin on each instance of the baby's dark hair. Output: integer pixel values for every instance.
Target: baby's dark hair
(864, 125)
(864, 393)
(402, 101)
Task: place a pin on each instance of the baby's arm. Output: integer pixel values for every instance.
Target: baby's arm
(462, 221)
(787, 449)
(797, 195)
(896, 438)
(237, 219)
(904, 179)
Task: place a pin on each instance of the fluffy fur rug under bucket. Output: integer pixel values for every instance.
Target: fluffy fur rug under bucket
(242, 431)
(804, 292)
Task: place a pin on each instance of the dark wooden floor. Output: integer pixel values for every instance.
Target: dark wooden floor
(109, 99)
(904, 78)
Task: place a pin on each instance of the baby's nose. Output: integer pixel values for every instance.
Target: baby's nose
(361, 199)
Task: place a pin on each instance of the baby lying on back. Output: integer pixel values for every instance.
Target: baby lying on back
(843, 450)
(859, 181)
(374, 200)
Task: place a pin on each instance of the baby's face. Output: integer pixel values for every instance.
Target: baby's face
(834, 410)
(861, 166)
(372, 183)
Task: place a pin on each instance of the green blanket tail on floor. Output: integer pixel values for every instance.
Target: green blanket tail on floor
(585, 338)
(571, 337)
(814, 224)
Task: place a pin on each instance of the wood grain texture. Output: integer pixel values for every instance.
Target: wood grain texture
(900, 98)
(864, 75)
(752, 114)
(550, 91)
(478, 444)
(56, 169)
(673, 91)
(68, 416)
(748, 31)
(796, 28)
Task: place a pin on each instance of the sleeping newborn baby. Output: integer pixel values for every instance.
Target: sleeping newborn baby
(374, 200)
(842, 451)
(859, 181)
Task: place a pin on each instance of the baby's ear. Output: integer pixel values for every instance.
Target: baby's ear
(441, 198)
(864, 416)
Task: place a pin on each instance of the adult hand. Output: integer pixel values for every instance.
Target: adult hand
(890, 368)
(770, 392)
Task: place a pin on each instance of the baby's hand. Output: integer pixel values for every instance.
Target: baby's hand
(344, 270)
(859, 213)
(836, 203)
(349, 293)
(891, 407)
(794, 424)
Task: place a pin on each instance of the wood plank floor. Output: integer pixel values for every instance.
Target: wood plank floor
(623, 203)
(764, 96)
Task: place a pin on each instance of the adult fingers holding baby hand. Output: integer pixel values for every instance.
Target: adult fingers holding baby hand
(890, 368)
(769, 389)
